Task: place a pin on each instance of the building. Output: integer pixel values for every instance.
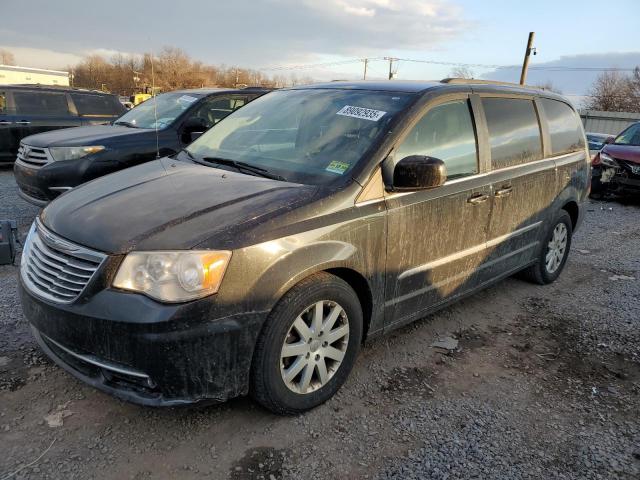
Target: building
(11, 75)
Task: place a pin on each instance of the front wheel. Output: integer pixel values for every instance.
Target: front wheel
(308, 346)
(554, 252)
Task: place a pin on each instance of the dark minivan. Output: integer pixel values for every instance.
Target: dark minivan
(54, 162)
(29, 109)
(259, 259)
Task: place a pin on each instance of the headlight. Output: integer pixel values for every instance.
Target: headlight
(607, 160)
(173, 276)
(73, 153)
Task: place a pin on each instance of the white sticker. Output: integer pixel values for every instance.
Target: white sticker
(187, 98)
(363, 113)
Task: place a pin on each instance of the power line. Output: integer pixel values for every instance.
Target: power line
(557, 68)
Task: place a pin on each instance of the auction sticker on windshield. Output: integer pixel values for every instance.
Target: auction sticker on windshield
(360, 112)
(337, 167)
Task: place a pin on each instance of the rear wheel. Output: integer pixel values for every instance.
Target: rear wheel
(554, 252)
(308, 346)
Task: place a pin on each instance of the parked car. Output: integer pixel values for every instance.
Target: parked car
(29, 109)
(259, 258)
(616, 168)
(54, 162)
(596, 141)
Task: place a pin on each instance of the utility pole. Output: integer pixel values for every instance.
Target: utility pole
(527, 54)
(391, 60)
(366, 61)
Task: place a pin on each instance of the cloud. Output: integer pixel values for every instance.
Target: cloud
(244, 32)
(576, 82)
(57, 60)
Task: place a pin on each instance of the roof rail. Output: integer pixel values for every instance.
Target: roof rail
(54, 87)
(485, 82)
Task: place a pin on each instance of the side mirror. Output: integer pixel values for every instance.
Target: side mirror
(610, 139)
(418, 172)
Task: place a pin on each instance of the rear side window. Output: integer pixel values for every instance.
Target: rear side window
(565, 129)
(96, 105)
(514, 131)
(445, 132)
(40, 103)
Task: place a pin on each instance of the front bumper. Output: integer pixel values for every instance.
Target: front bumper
(42, 185)
(145, 352)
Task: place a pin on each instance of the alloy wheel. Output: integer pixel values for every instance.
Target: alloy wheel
(314, 347)
(556, 248)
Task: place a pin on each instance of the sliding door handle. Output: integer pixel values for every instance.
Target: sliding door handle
(5, 122)
(477, 199)
(503, 192)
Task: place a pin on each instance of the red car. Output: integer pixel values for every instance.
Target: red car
(617, 166)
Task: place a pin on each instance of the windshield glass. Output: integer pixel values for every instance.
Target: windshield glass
(312, 136)
(631, 136)
(168, 106)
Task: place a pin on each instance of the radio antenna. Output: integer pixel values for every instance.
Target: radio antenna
(155, 107)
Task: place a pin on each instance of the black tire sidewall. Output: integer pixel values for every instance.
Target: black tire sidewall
(560, 217)
(299, 298)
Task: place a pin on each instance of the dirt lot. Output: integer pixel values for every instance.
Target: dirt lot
(545, 383)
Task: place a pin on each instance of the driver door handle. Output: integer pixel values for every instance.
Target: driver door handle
(503, 192)
(23, 122)
(5, 122)
(478, 198)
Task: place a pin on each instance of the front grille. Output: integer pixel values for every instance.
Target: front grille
(54, 268)
(33, 157)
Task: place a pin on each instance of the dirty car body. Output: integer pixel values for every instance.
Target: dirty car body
(336, 208)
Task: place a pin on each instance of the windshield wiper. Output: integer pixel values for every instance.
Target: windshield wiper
(125, 124)
(240, 166)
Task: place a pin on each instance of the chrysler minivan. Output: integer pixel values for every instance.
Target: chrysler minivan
(259, 258)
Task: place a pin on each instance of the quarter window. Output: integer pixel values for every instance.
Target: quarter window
(40, 103)
(445, 132)
(565, 129)
(514, 131)
(3, 103)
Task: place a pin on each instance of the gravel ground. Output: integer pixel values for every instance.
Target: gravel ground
(545, 383)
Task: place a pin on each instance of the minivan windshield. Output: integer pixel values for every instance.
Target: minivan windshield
(312, 136)
(166, 107)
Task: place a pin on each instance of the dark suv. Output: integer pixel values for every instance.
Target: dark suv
(29, 109)
(260, 257)
(54, 162)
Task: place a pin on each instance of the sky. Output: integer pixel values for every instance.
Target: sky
(323, 39)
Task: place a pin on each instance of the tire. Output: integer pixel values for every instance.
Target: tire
(540, 272)
(276, 381)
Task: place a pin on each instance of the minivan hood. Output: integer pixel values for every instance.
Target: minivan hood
(79, 136)
(168, 204)
(630, 153)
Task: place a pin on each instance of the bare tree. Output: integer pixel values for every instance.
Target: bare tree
(461, 72)
(615, 92)
(170, 69)
(6, 57)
